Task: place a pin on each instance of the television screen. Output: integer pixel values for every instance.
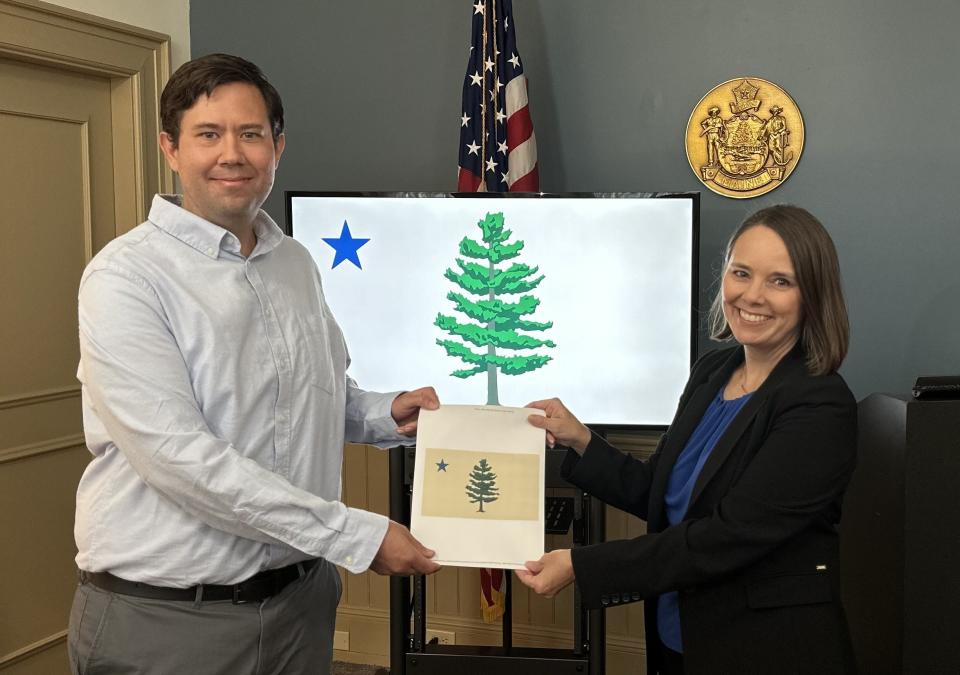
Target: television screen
(506, 299)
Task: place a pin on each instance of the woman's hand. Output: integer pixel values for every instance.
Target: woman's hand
(549, 575)
(561, 425)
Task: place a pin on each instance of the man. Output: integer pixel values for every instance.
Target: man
(216, 404)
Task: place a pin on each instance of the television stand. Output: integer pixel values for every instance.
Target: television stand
(410, 654)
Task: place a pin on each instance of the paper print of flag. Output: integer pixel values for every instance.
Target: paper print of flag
(498, 151)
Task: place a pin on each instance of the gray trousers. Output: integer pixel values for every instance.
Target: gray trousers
(290, 633)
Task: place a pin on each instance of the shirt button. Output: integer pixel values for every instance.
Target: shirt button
(350, 559)
(209, 251)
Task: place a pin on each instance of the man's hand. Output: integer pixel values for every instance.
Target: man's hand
(400, 554)
(406, 408)
(560, 424)
(549, 575)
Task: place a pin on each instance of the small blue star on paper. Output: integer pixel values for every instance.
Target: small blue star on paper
(442, 466)
(345, 246)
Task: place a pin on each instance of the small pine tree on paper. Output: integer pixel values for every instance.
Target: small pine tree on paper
(494, 325)
(482, 488)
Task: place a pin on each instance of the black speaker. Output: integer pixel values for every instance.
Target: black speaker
(900, 538)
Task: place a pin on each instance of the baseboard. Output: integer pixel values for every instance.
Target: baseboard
(376, 625)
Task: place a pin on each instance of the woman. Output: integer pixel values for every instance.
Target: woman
(739, 569)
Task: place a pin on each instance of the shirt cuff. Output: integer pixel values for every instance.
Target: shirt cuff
(369, 420)
(358, 543)
(383, 425)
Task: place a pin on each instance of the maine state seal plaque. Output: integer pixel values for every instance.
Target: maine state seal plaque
(744, 138)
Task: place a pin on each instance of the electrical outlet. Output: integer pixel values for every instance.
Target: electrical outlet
(341, 640)
(443, 637)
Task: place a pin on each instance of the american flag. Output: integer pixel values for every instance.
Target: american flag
(498, 151)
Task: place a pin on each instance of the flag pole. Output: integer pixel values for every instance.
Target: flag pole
(508, 611)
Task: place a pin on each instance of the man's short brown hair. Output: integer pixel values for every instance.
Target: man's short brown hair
(201, 76)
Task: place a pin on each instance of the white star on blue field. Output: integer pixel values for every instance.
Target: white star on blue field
(345, 246)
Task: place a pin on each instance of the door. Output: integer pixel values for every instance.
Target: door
(76, 168)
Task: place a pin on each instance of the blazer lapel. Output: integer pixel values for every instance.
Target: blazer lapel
(680, 431)
(789, 364)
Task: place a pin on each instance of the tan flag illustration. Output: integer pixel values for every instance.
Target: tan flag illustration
(487, 485)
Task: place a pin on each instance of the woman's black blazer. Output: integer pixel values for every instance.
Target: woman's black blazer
(755, 559)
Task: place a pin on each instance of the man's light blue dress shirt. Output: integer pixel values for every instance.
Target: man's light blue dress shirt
(216, 404)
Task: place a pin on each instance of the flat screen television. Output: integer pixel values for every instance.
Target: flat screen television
(510, 298)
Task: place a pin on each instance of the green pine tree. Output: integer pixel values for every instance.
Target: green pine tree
(482, 488)
(495, 324)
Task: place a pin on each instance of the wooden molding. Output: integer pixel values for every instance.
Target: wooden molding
(536, 635)
(135, 60)
(33, 649)
(640, 445)
(42, 32)
(51, 445)
(43, 396)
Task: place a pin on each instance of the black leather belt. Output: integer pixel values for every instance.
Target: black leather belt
(255, 589)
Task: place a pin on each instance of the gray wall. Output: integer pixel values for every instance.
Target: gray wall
(372, 92)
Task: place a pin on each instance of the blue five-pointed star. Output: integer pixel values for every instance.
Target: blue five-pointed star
(442, 466)
(346, 247)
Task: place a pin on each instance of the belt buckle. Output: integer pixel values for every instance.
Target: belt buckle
(236, 596)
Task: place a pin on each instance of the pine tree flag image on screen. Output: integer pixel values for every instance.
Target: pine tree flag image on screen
(513, 297)
(498, 151)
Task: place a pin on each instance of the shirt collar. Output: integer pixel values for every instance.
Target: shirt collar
(168, 214)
